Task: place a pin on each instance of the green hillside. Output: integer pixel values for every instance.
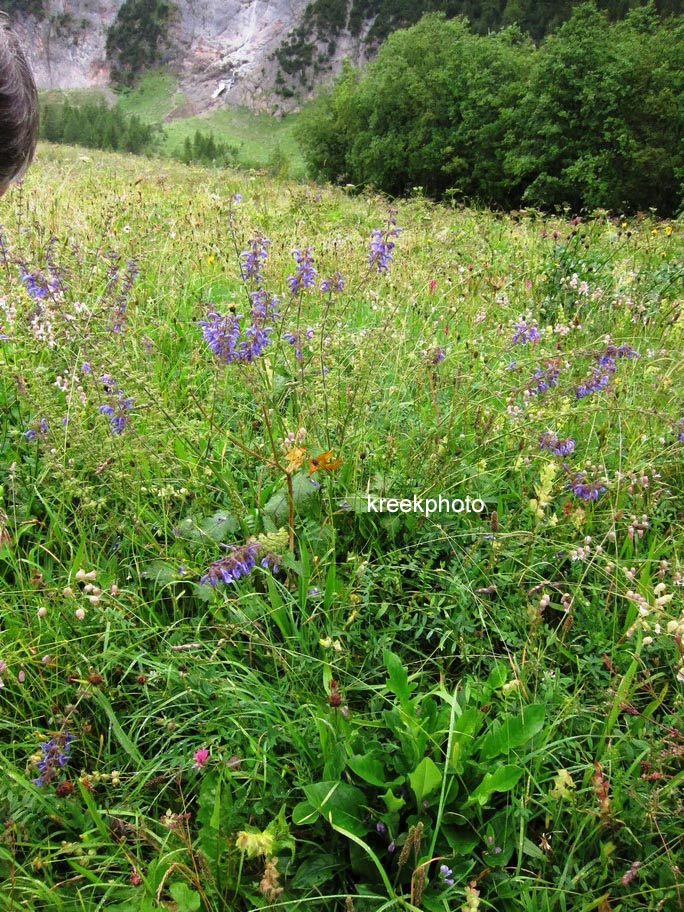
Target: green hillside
(255, 141)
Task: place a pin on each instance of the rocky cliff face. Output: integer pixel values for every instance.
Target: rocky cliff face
(223, 51)
(226, 49)
(66, 46)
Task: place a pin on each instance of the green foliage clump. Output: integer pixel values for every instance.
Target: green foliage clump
(591, 118)
(428, 112)
(96, 126)
(138, 39)
(296, 54)
(601, 121)
(329, 16)
(25, 8)
(204, 149)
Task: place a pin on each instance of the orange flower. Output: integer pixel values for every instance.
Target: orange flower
(293, 459)
(325, 461)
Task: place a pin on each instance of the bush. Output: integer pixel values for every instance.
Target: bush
(600, 124)
(591, 119)
(431, 111)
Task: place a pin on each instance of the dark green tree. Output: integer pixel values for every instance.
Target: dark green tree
(432, 110)
(138, 39)
(600, 125)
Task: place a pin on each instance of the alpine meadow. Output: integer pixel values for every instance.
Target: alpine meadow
(341, 555)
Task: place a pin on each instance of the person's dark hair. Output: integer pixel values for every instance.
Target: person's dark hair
(18, 108)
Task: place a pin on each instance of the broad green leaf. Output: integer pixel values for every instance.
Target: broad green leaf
(398, 678)
(187, 900)
(304, 813)
(466, 728)
(138, 903)
(277, 506)
(335, 761)
(392, 803)
(425, 779)
(210, 813)
(502, 780)
(461, 841)
(162, 572)
(220, 526)
(513, 732)
(340, 804)
(369, 769)
(529, 848)
(315, 871)
(498, 676)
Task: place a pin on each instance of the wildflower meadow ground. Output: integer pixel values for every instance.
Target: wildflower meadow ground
(228, 680)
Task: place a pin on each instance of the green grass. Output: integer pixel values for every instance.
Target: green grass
(261, 139)
(154, 98)
(497, 691)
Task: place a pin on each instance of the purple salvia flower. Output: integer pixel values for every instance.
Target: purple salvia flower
(108, 383)
(271, 562)
(41, 427)
(55, 754)
(586, 490)
(305, 275)
(525, 332)
(619, 351)
(607, 365)
(550, 441)
(253, 259)
(296, 340)
(382, 245)
(332, 283)
(447, 875)
(239, 562)
(117, 414)
(233, 344)
(264, 308)
(594, 384)
(38, 285)
(221, 333)
(127, 280)
(544, 378)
